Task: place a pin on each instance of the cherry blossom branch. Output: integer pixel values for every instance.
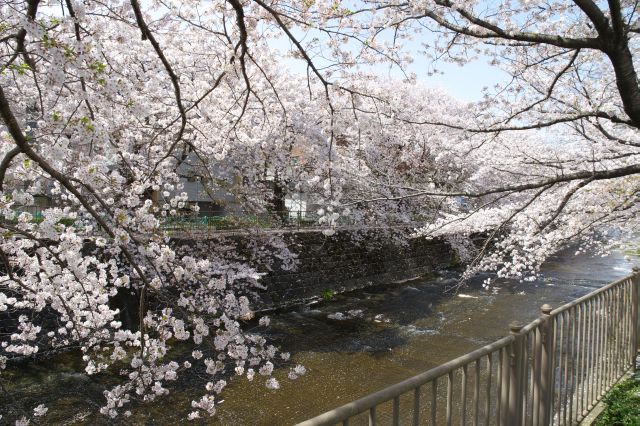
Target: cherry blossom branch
(592, 175)
(504, 223)
(495, 32)
(563, 203)
(175, 81)
(76, 28)
(16, 133)
(6, 162)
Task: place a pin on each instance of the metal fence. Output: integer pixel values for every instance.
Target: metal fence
(194, 224)
(276, 220)
(551, 371)
(280, 219)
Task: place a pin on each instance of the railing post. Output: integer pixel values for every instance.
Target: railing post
(545, 375)
(516, 373)
(635, 300)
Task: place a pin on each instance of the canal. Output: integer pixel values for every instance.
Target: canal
(351, 345)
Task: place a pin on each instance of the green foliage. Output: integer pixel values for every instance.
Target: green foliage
(20, 68)
(98, 67)
(86, 122)
(222, 222)
(66, 221)
(622, 405)
(328, 294)
(48, 42)
(634, 250)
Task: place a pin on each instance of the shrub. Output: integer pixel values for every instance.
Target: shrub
(622, 405)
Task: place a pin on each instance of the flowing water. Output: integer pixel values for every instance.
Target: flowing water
(403, 329)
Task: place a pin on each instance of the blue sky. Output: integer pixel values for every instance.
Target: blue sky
(462, 82)
(466, 82)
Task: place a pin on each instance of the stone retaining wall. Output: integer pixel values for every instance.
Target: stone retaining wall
(340, 263)
(345, 261)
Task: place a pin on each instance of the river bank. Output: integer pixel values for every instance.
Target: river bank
(391, 332)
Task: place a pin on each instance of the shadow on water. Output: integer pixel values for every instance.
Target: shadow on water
(373, 329)
(401, 330)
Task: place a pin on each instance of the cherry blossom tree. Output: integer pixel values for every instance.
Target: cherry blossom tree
(103, 103)
(573, 81)
(553, 150)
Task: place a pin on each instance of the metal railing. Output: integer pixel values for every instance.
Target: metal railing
(552, 371)
(276, 220)
(194, 224)
(280, 219)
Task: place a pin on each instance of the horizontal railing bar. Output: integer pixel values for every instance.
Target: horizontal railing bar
(370, 402)
(363, 404)
(590, 295)
(531, 326)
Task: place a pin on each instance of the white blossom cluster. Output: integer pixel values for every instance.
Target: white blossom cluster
(108, 107)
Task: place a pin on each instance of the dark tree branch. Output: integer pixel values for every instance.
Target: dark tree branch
(600, 21)
(175, 81)
(76, 28)
(563, 203)
(539, 125)
(496, 32)
(581, 175)
(617, 21)
(6, 162)
(549, 91)
(626, 79)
